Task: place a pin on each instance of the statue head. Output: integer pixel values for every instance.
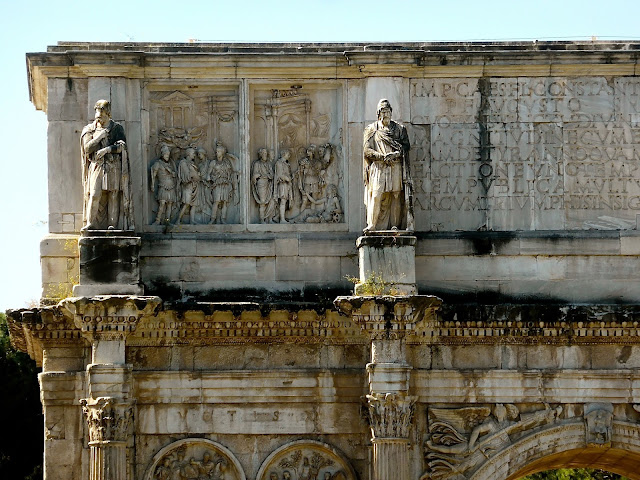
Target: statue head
(191, 153)
(311, 151)
(201, 153)
(221, 151)
(500, 412)
(262, 154)
(165, 152)
(103, 111)
(286, 154)
(384, 110)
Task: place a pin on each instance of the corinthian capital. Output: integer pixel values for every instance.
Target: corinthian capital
(390, 414)
(108, 420)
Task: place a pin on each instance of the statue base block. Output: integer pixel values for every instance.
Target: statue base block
(387, 264)
(109, 265)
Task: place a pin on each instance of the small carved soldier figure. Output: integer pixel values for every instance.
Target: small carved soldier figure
(164, 176)
(283, 191)
(310, 181)
(386, 173)
(189, 175)
(262, 183)
(223, 180)
(105, 173)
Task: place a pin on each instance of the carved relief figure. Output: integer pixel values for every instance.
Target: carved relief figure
(386, 173)
(310, 180)
(599, 419)
(462, 438)
(174, 466)
(204, 202)
(164, 176)
(189, 175)
(283, 190)
(105, 173)
(223, 180)
(262, 183)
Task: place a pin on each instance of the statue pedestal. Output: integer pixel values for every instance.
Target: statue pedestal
(109, 264)
(387, 264)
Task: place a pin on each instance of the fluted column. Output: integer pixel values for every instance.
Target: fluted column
(388, 320)
(110, 426)
(106, 321)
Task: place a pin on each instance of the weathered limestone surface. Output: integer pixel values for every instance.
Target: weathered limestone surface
(246, 170)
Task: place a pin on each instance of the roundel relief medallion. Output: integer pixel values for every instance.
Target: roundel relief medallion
(194, 459)
(306, 460)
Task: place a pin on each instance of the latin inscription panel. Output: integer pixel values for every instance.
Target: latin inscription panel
(526, 153)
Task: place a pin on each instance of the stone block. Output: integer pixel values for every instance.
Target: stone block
(560, 99)
(354, 198)
(67, 98)
(109, 262)
(286, 247)
(99, 89)
(231, 357)
(55, 270)
(63, 152)
(448, 100)
(629, 245)
(206, 246)
(265, 269)
(308, 268)
(390, 259)
(290, 356)
(394, 89)
(327, 245)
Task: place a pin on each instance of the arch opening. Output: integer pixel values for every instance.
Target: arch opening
(613, 460)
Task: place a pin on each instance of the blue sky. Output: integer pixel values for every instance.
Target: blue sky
(32, 25)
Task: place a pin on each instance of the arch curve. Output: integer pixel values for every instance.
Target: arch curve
(564, 446)
(300, 457)
(194, 453)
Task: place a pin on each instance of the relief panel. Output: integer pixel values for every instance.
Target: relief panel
(297, 159)
(193, 166)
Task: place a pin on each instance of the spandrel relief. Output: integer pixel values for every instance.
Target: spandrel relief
(297, 167)
(460, 439)
(195, 459)
(306, 460)
(199, 183)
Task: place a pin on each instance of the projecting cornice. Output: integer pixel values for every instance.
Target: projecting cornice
(184, 61)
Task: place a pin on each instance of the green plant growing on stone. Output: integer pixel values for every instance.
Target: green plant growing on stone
(373, 285)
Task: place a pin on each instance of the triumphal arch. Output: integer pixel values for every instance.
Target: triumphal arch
(338, 261)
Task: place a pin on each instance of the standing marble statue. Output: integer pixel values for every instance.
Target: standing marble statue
(164, 175)
(105, 173)
(387, 180)
(262, 183)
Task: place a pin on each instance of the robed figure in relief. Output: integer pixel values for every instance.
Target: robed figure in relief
(105, 173)
(387, 181)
